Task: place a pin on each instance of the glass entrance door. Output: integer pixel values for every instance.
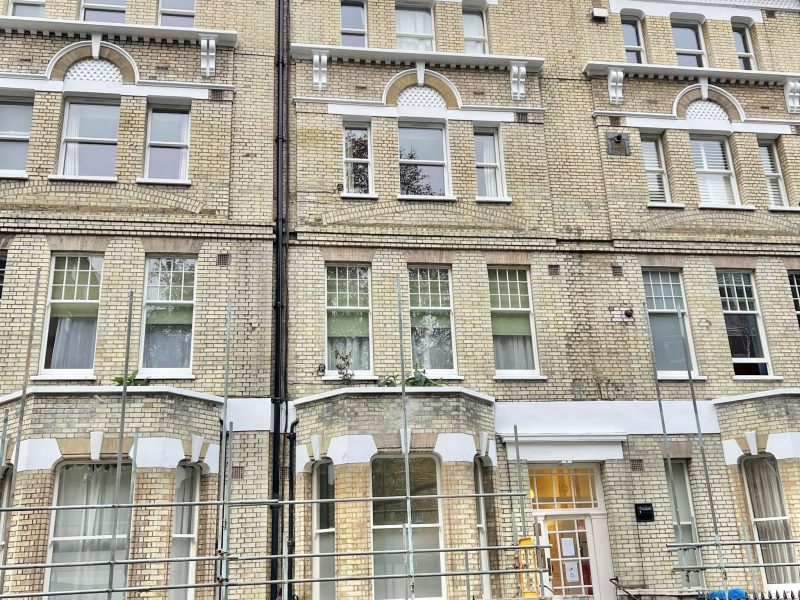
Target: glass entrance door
(570, 556)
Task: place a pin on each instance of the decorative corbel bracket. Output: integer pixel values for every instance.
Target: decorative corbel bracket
(616, 78)
(792, 91)
(518, 75)
(704, 88)
(420, 66)
(208, 56)
(319, 75)
(96, 39)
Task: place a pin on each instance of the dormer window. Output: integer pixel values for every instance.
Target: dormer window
(689, 45)
(414, 28)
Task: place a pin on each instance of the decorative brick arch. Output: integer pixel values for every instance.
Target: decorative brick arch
(68, 56)
(726, 101)
(435, 81)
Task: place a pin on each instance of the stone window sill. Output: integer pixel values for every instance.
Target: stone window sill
(493, 199)
(727, 206)
(149, 181)
(149, 376)
(82, 178)
(65, 376)
(13, 175)
(428, 198)
(788, 209)
(681, 377)
(336, 377)
(676, 205)
(519, 377)
(346, 196)
(757, 378)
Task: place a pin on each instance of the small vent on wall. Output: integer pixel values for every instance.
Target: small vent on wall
(217, 95)
(521, 117)
(223, 260)
(553, 270)
(615, 121)
(796, 129)
(237, 472)
(616, 270)
(770, 14)
(637, 465)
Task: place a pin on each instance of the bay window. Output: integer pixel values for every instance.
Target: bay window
(357, 160)
(348, 317)
(512, 330)
(168, 145)
(177, 13)
(743, 323)
(353, 23)
(89, 146)
(87, 534)
(414, 28)
(474, 32)
(15, 133)
(168, 314)
(184, 531)
(423, 161)
(389, 518)
(770, 162)
(689, 45)
(769, 517)
(715, 178)
(73, 302)
(324, 524)
(666, 309)
(655, 171)
(487, 164)
(432, 343)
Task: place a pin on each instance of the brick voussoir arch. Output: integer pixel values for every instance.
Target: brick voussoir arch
(714, 94)
(69, 55)
(431, 79)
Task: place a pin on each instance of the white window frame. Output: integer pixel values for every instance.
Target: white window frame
(51, 539)
(777, 175)
(794, 285)
(661, 170)
(174, 12)
(100, 6)
(445, 163)
(5, 502)
(3, 268)
(636, 22)
(368, 161)
(730, 172)
(192, 573)
(483, 40)
(499, 165)
(8, 137)
(167, 372)
(772, 587)
(316, 531)
(14, 3)
(687, 326)
(333, 374)
(698, 27)
(349, 31)
(599, 509)
(69, 373)
(749, 53)
(518, 373)
(435, 373)
(439, 525)
(482, 526)
(184, 146)
(759, 323)
(79, 140)
(691, 522)
(413, 35)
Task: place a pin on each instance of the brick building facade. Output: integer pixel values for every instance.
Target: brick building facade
(538, 201)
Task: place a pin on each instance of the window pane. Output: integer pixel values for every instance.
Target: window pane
(186, 479)
(473, 25)
(414, 20)
(91, 160)
(485, 148)
(352, 16)
(513, 343)
(327, 565)
(177, 21)
(171, 127)
(388, 479)
(743, 336)
(28, 10)
(354, 40)
(187, 5)
(667, 342)
(167, 163)
(70, 338)
(326, 513)
(348, 334)
(81, 484)
(686, 37)
(15, 119)
(474, 47)
(487, 182)
(13, 155)
(690, 60)
(89, 577)
(740, 40)
(394, 564)
(421, 143)
(167, 337)
(356, 142)
(422, 180)
(432, 340)
(97, 121)
(630, 33)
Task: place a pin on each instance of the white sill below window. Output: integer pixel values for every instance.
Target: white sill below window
(727, 206)
(757, 378)
(493, 199)
(165, 374)
(65, 375)
(350, 196)
(97, 178)
(334, 376)
(428, 198)
(13, 175)
(665, 205)
(149, 181)
(519, 376)
(680, 376)
(444, 375)
(789, 209)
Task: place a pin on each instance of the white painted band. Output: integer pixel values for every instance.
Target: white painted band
(211, 459)
(455, 447)
(784, 445)
(703, 126)
(302, 460)
(731, 451)
(658, 8)
(250, 414)
(102, 88)
(37, 453)
(553, 451)
(351, 449)
(158, 452)
(421, 113)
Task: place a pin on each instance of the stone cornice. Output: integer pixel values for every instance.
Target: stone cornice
(653, 71)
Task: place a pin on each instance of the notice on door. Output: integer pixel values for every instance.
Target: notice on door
(567, 547)
(571, 571)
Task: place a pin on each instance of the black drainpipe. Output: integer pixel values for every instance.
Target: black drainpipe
(278, 375)
(290, 545)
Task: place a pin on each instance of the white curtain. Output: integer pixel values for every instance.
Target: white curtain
(770, 519)
(167, 346)
(356, 347)
(513, 352)
(73, 342)
(72, 149)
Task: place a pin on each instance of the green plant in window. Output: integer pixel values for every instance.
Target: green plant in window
(343, 364)
(131, 379)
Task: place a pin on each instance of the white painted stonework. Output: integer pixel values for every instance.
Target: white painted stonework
(352, 449)
(455, 447)
(37, 453)
(158, 452)
(784, 445)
